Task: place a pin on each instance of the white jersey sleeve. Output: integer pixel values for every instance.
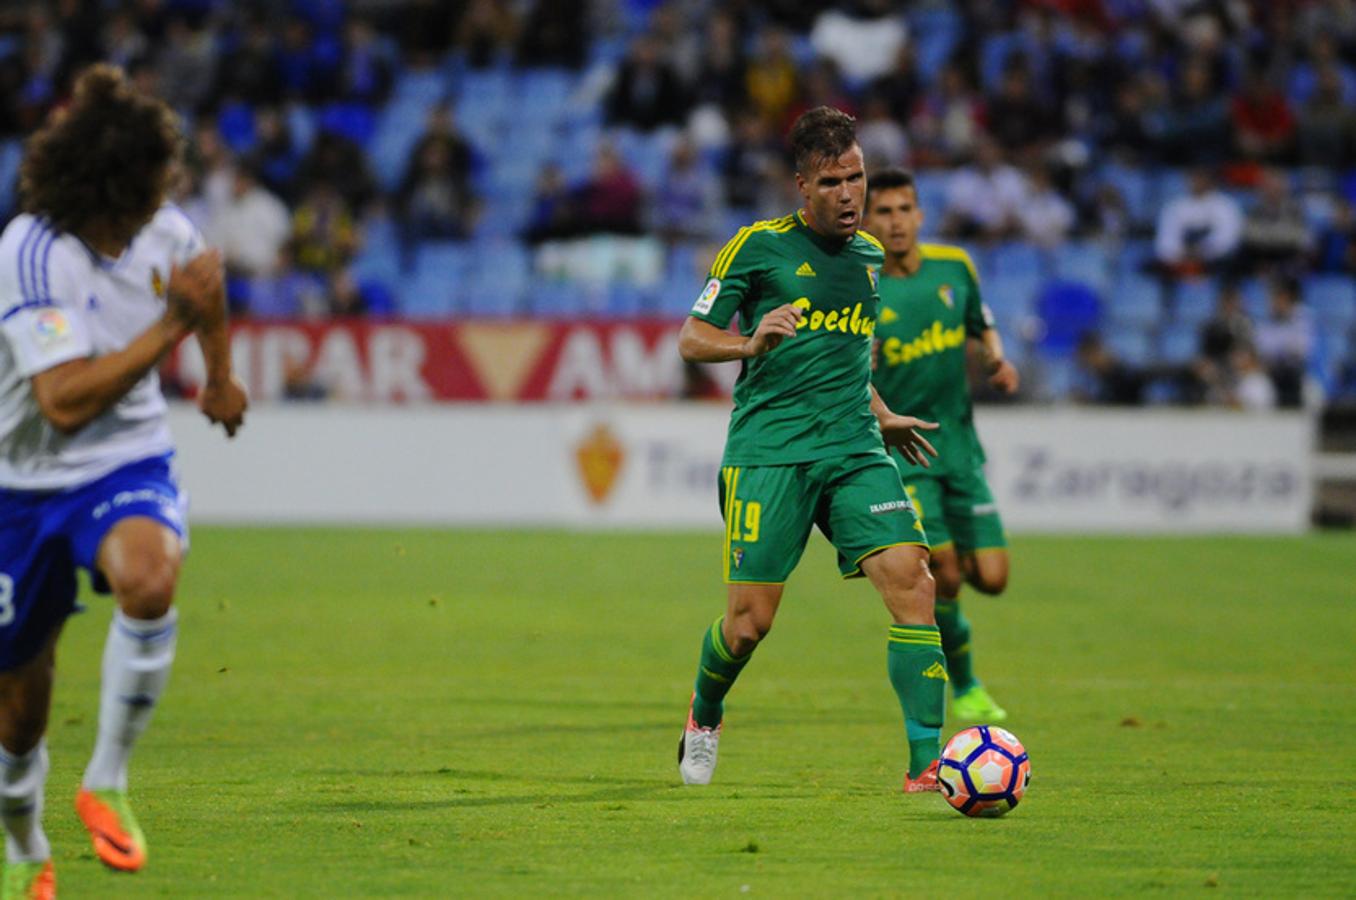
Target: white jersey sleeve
(41, 318)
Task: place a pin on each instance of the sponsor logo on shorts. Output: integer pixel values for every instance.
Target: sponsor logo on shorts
(879, 508)
(127, 498)
(708, 296)
(51, 327)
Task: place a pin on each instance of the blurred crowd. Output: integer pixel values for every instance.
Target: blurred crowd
(341, 151)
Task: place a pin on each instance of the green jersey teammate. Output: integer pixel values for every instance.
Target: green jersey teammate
(807, 437)
(930, 305)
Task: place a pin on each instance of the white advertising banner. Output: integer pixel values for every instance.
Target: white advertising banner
(657, 465)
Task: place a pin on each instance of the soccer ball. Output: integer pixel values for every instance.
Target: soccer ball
(984, 771)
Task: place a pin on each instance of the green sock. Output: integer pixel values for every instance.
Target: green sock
(955, 629)
(715, 676)
(918, 674)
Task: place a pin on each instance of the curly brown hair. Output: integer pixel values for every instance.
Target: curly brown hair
(103, 160)
(819, 134)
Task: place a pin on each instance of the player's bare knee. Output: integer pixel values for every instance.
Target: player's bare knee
(748, 629)
(988, 574)
(145, 588)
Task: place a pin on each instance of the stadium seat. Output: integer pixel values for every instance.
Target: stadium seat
(1333, 301)
(1178, 345)
(1135, 188)
(1015, 259)
(1194, 301)
(1068, 310)
(1135, 302)
(498, 279)
(1130, 345)
(1083, 261)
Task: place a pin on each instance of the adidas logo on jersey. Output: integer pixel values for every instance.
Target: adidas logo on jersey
(805, 271)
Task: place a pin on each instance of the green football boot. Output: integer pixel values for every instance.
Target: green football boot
(975, 705)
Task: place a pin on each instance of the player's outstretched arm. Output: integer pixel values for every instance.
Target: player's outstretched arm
(224, 398)
(703, 342)
(1002, 373)
(902, 432)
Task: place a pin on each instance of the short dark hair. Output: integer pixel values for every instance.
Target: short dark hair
(821, 133)
(102, 159)
(888, 179)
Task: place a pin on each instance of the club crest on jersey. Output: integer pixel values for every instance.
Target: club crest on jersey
(157, 282)
(873, 274)
(51, 326)
(948, 296)
(708, 296)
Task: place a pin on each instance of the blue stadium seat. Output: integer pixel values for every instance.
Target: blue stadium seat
(1178, 345)
(1194, 301)
(1130, 345)
(1255, 302)
(429, 295)
(1333, 300)
(1068, 309)
(552, 298)
(1134, 301)
(931, 190)
(1083, 261)
(1135, 188)
(1015, 259)
(498, 280)
(423, 87)
(1011, 298)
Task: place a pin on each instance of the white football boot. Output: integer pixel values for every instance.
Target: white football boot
(697, 751)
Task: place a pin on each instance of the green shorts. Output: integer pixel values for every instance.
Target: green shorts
(857, 501)
(957, 508)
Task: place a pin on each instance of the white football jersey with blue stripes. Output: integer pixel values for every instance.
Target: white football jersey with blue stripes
(60, 300)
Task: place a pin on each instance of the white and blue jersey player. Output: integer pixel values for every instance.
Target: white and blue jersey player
(89, 305)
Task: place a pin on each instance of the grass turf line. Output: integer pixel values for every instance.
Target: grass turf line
(435, 713)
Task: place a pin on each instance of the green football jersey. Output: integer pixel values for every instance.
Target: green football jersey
(809, 399)
(924, 321)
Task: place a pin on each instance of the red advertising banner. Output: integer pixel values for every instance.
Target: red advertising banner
(405, 361)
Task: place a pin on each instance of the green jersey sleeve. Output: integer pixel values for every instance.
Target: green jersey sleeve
(733, 285)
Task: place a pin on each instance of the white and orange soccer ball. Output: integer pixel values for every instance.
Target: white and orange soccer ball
(984, 771)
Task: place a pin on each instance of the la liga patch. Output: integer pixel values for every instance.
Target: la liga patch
(708, 296)
(51, 327)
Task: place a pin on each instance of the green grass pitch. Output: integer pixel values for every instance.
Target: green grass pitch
(456, 713)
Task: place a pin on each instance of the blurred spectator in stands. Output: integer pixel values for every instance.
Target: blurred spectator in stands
(1337, 240)
(1046, 217)
(1107, 379)
(1122, 129)
(247, 222)
(822, 85)
(1324, 52)
(1263, 122)
(552, 213)
(948, 121)
(486, 32)
(553, 34)
(187, 64)
(122, 43)
(275, 153)
(900, 87)
(777, 195)
(882, 139)
(772, 80)
(984, 198)
(338, 161)
(1017, 118)
(722, 67)
(1110, 216)
(1227, 331)
(748, 161)
(325, 233)
(610, 200)
(1275, 232)
(675, 28)
(1199, 232)
(647, 92)
(687, 201)
(366, 73)
(1327, 125)
(426, 29)
(435, 199)
(1285, 340)
(1252, 388)
(1194, 130)
(251, 72)
(863, 38)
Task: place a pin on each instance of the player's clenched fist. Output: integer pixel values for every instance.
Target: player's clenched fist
(775, 327)
(197, 289)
